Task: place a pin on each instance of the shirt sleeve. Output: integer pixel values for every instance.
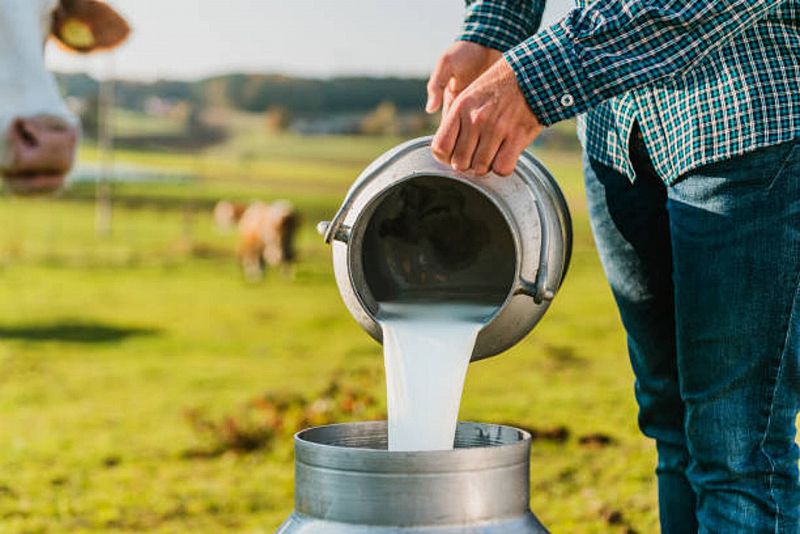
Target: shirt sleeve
(501, 24)
(613, 46)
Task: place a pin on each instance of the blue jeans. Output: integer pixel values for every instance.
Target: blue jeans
(706, 275)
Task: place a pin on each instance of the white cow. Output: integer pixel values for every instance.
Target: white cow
(38, 134)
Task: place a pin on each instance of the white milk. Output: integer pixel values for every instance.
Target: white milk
(426, 349)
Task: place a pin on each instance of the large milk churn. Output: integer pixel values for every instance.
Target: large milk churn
(412, 226)
(346, 482)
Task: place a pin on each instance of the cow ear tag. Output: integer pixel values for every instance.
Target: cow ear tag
(76, 34)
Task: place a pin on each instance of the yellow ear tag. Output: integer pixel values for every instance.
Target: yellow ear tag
(77, 34)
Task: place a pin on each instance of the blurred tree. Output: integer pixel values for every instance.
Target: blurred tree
(215, 93)
(381, 121)
(417, 124)
(302, 97)
(277, 119)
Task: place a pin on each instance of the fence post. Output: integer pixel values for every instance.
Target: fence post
(103, 214)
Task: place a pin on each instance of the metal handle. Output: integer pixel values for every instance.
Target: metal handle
(538, 290)
(342, 233)
(544, 289)
(334, 228)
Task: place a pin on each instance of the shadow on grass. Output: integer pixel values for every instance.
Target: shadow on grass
(73, 332)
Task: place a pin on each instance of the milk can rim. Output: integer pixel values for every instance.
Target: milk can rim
(466, 182)
(362, 459)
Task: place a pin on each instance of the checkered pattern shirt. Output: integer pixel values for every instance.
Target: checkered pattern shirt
(705, 79)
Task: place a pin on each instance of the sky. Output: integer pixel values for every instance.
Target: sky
(190, 39)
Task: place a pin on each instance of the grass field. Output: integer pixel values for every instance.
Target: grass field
(106, 343)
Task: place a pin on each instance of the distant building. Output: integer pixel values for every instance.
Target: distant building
(333, 125)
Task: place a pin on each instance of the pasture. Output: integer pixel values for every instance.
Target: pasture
(117, 352)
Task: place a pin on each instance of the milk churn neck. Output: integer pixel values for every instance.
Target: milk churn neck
(409, 224)
(330, 230)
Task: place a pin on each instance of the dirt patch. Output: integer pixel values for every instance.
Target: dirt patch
(615, 517)
(555, 434)
(596, 440)
(262, 420)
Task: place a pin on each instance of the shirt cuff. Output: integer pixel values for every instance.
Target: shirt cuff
(498, 24)
(550, 75)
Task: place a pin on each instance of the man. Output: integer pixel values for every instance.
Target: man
(691, 136)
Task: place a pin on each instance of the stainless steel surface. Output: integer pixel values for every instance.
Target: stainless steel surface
(536, 219)
(346, 481)
(374, 169)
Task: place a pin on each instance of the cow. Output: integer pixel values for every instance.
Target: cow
(227, 214)
(266, 237)
(38, 134)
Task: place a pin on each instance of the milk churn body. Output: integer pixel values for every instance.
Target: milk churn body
(519, 227)
(347, 482)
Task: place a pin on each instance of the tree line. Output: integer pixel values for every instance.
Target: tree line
(301, 97)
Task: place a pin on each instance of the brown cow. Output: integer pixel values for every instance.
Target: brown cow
(227, 214)
(266, 237)
(38, 134)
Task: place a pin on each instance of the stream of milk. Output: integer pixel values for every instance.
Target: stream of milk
(427, 349)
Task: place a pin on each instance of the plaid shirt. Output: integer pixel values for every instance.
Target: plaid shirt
(706, 80)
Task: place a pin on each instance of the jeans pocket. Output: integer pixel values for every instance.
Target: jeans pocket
(789, 162)
(759, 169)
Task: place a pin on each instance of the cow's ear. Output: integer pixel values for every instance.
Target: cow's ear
(88, 25)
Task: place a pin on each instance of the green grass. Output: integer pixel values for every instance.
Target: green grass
(130, 123)
(106, 342)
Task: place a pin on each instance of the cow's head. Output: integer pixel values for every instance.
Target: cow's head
(38, 134)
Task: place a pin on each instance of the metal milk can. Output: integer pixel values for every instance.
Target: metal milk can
(346, 482)
(410, 226)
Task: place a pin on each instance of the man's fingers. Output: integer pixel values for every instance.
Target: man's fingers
(507, 156)
(437, 83)
(485, 154)
(466, 143)
(455, 85)
(454, 88)
(445, 139)
(449, 96)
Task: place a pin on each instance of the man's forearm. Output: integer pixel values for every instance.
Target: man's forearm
(613, 46)
(501, 24)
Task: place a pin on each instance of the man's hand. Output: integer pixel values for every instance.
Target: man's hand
(458, 67)
(488, 125)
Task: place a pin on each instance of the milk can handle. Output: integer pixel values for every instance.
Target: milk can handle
(538, 291)
(547, 283)
(335, 229)
(342, 234)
